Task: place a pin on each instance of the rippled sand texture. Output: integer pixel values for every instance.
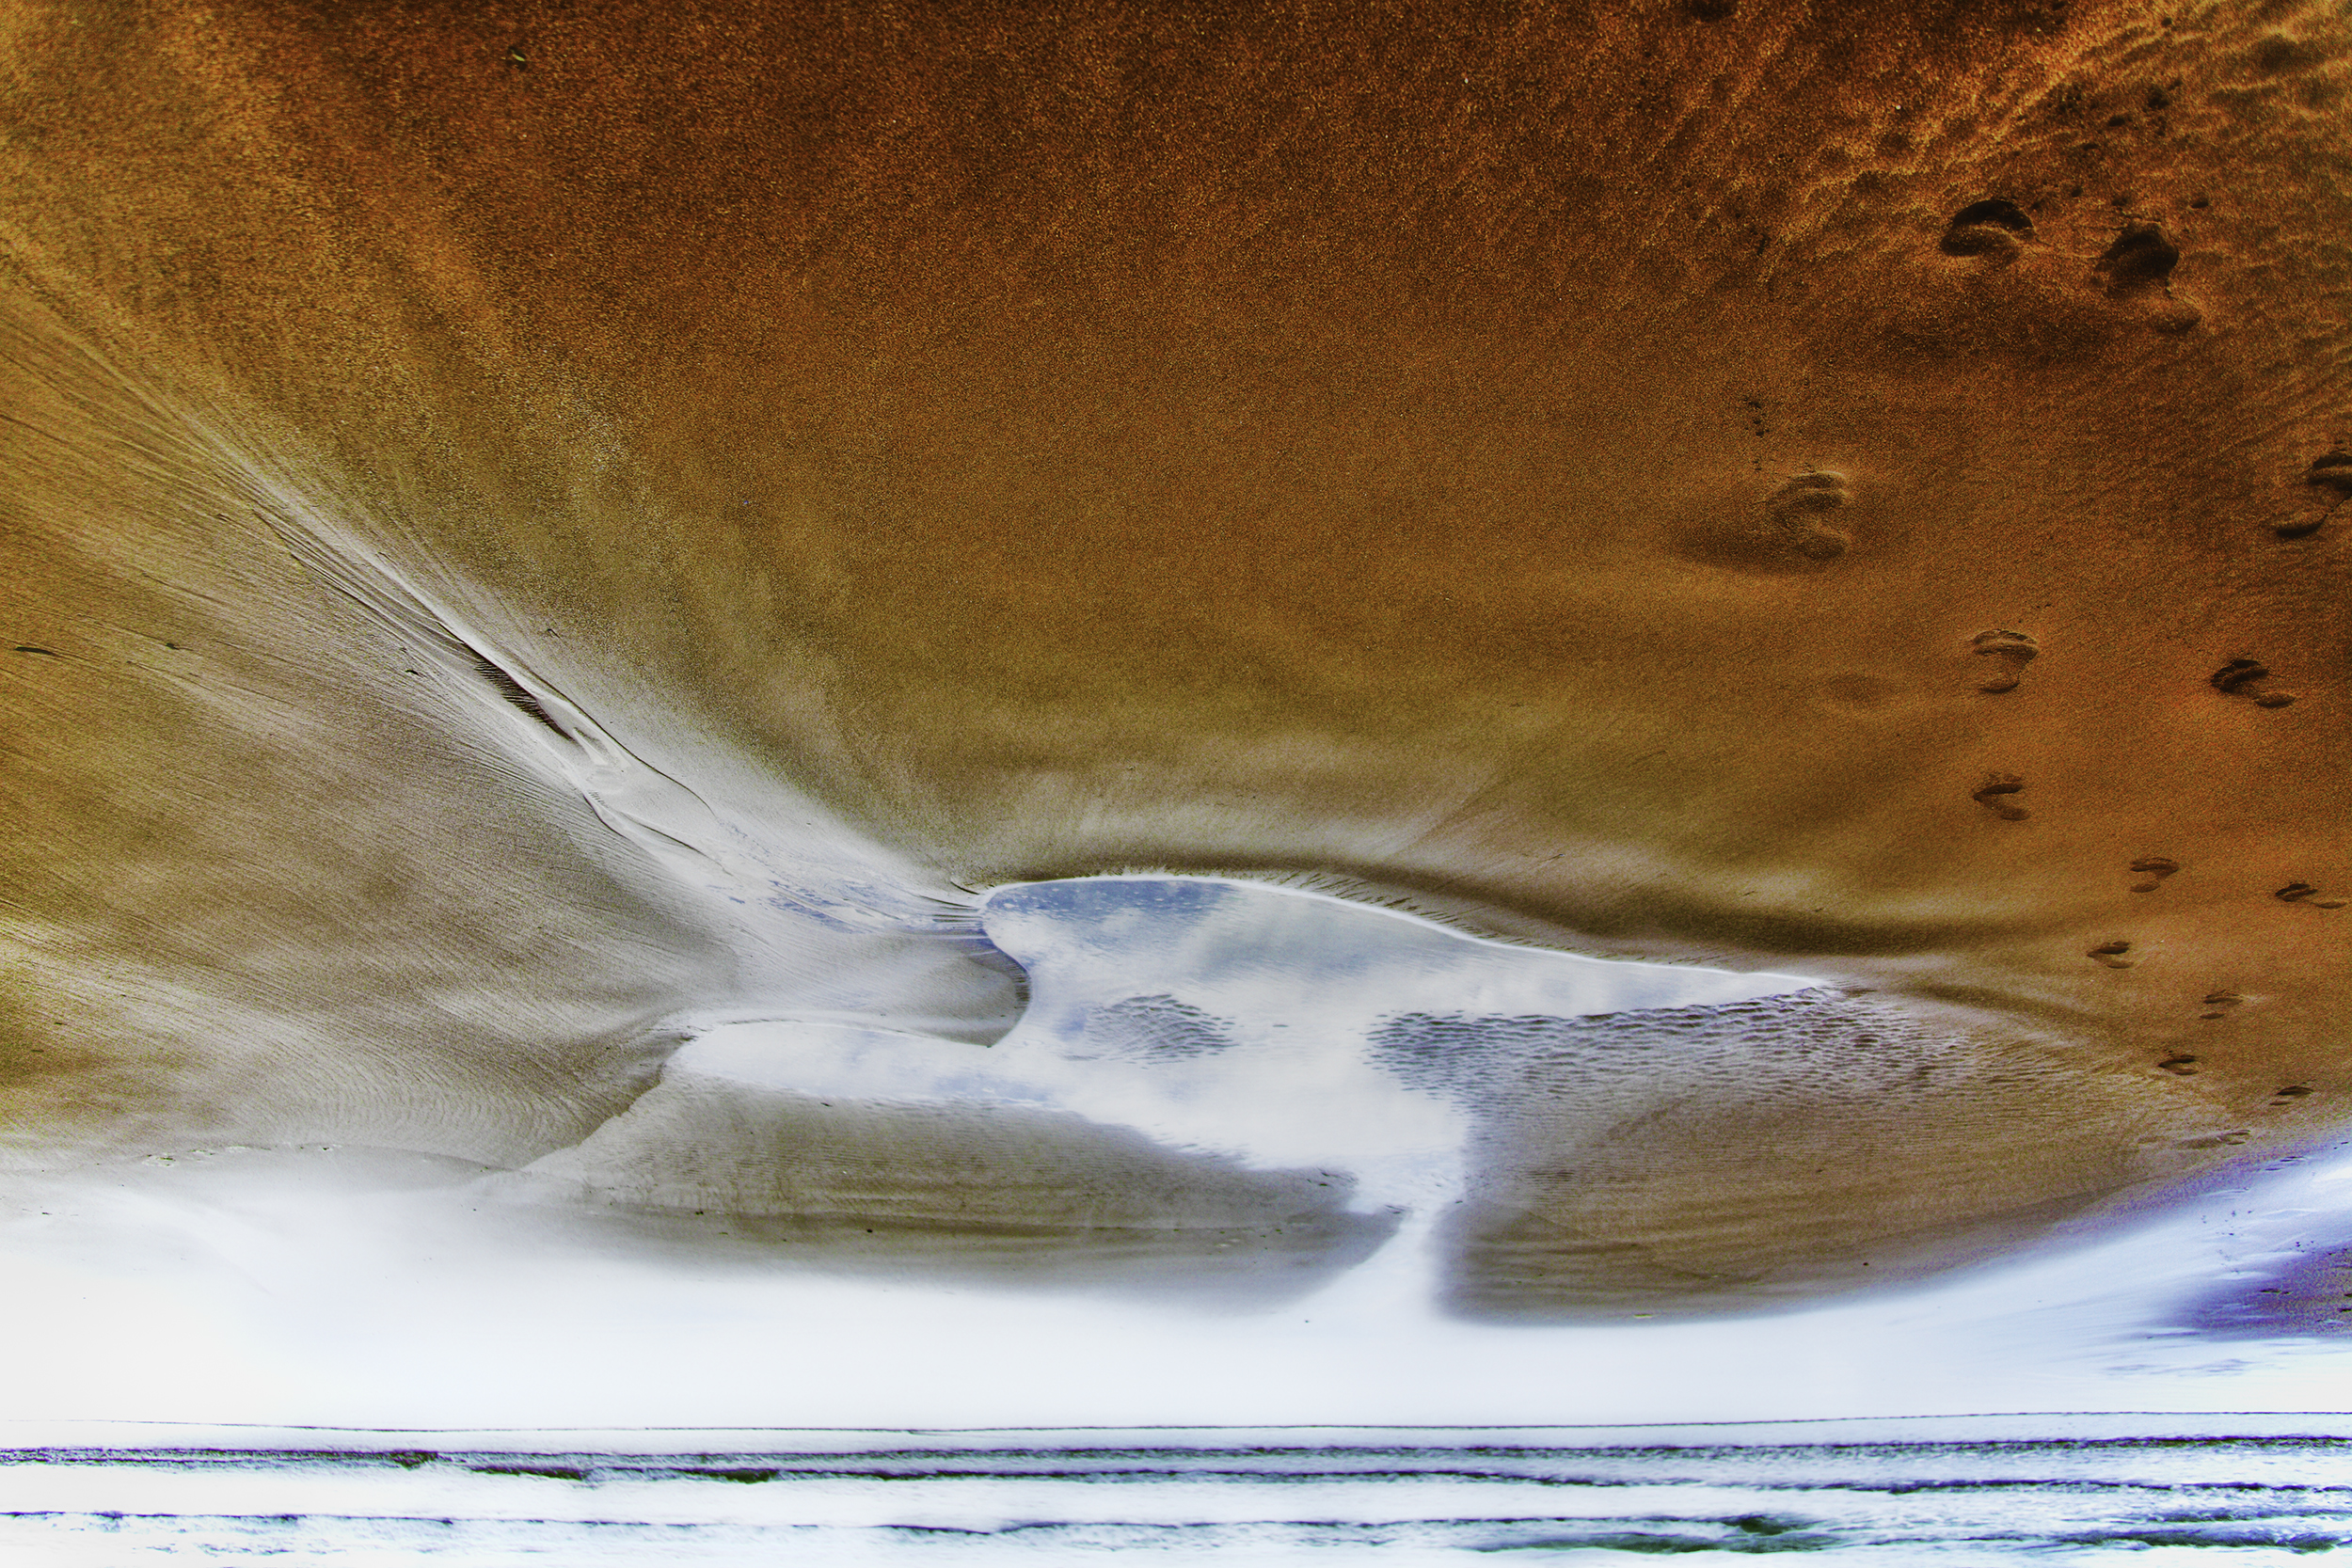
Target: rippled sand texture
(523, 522)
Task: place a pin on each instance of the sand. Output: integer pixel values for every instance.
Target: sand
(525, 524)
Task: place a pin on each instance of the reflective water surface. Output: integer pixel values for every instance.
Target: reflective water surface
(1274, 1496)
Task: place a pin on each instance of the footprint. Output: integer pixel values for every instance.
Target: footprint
(1800, 509)
(1790, 533)
(2155, 869)
(2300, 892)
(2179, 1065)
(2239, 677)
(2111, 954)
(2013, 649)
(2292, 1091)
(2139, 260)
(2211, 1140)
(1994, 230)
(2333, 476)
(2218, 1000)
(2137, 268)
(1996, 796)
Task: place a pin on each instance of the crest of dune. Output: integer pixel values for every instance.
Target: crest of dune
(532, 528)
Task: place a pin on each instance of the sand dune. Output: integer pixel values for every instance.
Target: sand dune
(524, 526)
